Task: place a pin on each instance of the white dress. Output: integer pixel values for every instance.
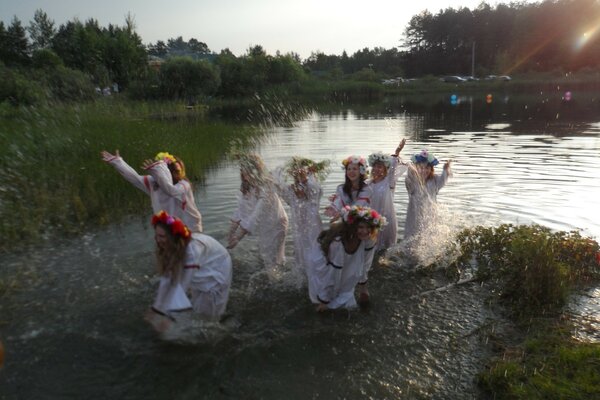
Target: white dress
(362, 198)
(305, 220)
(176, 199)
(333, 279)
(422, 208)
(204, 282)
(382, 200)
(261, 213)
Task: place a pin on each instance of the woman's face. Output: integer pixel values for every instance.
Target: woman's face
(161, 237)
(353, 172)
(363, 232)
(424, 170)
(379, 171)
(300, 176)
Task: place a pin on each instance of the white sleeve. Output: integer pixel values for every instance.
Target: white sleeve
(441, 180)
(411, 180)
(368, 260)
(160, 172)
(396, 171)
(141, 182)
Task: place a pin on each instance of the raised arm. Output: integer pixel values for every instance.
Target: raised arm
(160, 172)
(141, 182)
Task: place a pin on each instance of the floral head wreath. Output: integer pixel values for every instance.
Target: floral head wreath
(320, 169)
(166, 157)
(177, 227)
(382, 158)
(360, 160)
(356, 214)
(425, 157)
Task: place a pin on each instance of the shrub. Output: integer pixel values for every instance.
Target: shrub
(533, 268)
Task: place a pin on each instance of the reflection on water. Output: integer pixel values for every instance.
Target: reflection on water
(71, 318)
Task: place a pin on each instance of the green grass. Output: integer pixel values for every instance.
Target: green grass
(548, 365)
(53, 179)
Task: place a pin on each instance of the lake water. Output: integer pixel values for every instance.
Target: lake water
(72, 321)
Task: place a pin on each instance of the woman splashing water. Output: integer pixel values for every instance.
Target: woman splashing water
(166, 185)
(422, 185)
(259, 212)
(195, 274)
(347, 253)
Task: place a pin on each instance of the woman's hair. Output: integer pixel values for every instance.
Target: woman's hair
(170, 260)
(338, 229)
(347, 188)
(253, 167)
(173, 168)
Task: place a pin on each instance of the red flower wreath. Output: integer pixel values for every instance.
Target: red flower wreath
(178, 228)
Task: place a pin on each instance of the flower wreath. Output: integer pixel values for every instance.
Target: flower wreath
(425, 157)
(360, 160)
(320, 169)
(382, 158)
(177, 226)
(355, 214)
(166, 157)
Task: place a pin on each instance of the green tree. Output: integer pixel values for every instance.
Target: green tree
(41, 30)
(14, 45)
(185, 79)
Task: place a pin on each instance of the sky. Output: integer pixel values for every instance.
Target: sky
(328, 26)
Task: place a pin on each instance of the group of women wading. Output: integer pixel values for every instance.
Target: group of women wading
(196, 270)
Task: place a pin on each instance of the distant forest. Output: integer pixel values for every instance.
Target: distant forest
(558, 36)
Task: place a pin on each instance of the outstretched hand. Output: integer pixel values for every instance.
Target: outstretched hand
(447, 165)
(106, 156)
(147, 163)
(400, 147)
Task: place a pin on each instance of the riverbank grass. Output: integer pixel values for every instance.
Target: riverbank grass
(533, 271)
(53, 179)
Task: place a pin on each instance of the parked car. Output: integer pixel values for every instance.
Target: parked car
(490, 78)
(452, 79)
(504, 78)
(470, 78)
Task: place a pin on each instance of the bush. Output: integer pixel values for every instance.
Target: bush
(533, 268)
(184, 78)
(46, 58)
(17, 90)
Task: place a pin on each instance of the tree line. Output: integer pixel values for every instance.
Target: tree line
(73, 58)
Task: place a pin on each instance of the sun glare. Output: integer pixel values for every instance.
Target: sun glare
(585, 37)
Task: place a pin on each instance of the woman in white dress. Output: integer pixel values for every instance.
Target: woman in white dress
(347, 254)
(303, 196)
(423, 185)
(385, 171)
(195, 273)
(166, 185)
(259, 212)
(354, 190)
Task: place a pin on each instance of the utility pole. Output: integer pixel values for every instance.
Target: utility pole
(473, 60)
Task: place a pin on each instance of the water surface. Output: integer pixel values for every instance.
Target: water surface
(72, 318)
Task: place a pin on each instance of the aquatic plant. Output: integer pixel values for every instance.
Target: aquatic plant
(53, 177)
(531, 268)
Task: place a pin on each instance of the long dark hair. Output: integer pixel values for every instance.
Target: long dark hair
(340, 230)
(347, 188)
(170, 261)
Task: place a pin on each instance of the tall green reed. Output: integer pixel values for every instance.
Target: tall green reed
(53, 179)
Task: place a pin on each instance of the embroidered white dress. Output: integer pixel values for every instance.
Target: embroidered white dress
(333, 279)
(204, 282)
(382, 200)
(305, 219)
(422, 202)
(176, 199)
(261, 213)
(362, 198)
